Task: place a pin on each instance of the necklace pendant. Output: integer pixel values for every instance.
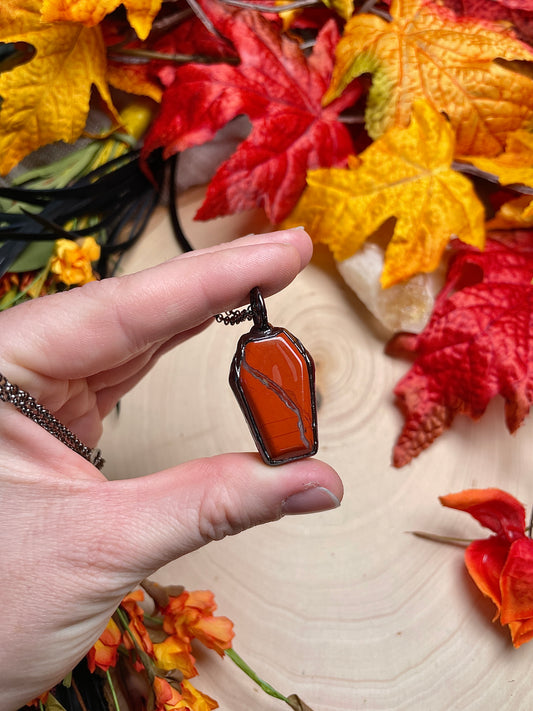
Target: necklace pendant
(273, 378)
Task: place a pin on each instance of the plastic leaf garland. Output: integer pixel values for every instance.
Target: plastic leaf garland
(501, 565)
(478, 344)
(69, 59)
(343, 207)
(425, 53)
(280, 91)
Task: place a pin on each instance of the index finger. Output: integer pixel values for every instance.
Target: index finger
(104, 324)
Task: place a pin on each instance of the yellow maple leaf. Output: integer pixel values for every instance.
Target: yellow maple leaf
(47, 99)
(133, 79)
(513, 214)
(514, 165)
(424, 53)
(406, 175)
(140, 13)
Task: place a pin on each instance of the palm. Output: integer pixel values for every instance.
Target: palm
(73, 544)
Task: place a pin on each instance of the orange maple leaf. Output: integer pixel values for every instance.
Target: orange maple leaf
(406, 174)
(47, 99)
(141, 13)
(426, 52)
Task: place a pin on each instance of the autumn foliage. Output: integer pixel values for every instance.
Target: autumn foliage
(410, 116)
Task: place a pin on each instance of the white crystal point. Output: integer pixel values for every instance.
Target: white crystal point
(402, 307)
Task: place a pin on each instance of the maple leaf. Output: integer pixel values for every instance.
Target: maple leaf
(513, 166)
(513, 214)
(91, 12)
(478, 344)
(344, 8)
(191, 37)
(495, 10)
(426, 52)
(133, 79)
(69, 59)
(405, 174)
(280, 90)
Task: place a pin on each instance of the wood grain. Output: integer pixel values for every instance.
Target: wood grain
(346, 608)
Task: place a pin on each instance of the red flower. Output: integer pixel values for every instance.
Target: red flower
(501, 565)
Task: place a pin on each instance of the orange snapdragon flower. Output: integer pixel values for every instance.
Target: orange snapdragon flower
(104, 653)
(43, 698)
(136, 623)
(175, 653)
(195, 700)
(167, 698)
(191, 615)
(501, 565)
(7, 282)
(72, 262)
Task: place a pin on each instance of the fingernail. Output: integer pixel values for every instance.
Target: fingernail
(311, 500)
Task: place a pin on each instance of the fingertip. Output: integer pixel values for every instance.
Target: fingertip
(314, 486)
(298, 238)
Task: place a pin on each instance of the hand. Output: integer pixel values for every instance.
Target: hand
(74, 544)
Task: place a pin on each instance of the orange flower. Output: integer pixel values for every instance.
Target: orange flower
(169, 699)
(7, 282)
(72, 262)
(43, 698)
(501, 565)
(190, 615)
(136, 623)
(105, 651)
(175, 653)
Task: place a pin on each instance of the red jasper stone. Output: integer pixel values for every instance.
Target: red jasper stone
(272, 376)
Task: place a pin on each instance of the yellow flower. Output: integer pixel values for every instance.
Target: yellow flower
(167, 698)
(72, 262)
(175, 653)
(196, 700)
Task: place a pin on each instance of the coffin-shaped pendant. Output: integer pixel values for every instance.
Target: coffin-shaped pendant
(273, 378)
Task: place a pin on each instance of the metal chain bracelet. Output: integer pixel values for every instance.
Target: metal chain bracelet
(28, 406)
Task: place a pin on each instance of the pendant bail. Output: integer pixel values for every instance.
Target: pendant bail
(259, 312)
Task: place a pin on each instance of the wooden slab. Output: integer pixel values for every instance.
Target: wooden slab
(345, 608)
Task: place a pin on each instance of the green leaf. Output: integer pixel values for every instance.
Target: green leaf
(35, 256)
(53, 704)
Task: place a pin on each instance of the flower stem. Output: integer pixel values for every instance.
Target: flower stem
(441, 539)
(239, 661)
(112, 689)
(145, 659)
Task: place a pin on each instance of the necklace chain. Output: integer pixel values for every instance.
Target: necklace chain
(28, 406)
(231, 318)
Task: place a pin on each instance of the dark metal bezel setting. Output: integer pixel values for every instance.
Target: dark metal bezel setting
(266, 332)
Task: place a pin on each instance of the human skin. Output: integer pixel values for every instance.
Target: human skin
(73, 543)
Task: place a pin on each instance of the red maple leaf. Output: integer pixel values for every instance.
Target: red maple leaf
(517, 12)
(478, 343)
(280, 90)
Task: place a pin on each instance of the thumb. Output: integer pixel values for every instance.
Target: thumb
(173, 512)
